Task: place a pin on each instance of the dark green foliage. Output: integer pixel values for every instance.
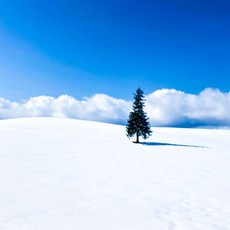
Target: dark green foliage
(138, 122)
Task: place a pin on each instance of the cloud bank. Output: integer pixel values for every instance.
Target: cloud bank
(165, 107)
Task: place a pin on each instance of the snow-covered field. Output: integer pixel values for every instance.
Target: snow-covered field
(68, 174)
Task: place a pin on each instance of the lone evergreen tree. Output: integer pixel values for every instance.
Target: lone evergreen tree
(138, 122)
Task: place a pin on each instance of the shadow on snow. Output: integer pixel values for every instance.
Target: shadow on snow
(170, 144)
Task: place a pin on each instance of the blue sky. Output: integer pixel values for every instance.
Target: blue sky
(85, 47)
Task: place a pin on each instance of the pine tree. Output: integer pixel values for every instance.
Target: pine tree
(138, 122)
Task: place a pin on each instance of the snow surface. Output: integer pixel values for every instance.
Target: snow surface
(68, 174)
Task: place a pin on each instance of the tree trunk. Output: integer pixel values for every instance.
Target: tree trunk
(137, 141)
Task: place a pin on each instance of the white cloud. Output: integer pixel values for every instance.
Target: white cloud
(99, 107)
(165, 107)
(175, 108)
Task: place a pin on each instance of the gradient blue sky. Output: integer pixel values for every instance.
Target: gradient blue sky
(84, 47)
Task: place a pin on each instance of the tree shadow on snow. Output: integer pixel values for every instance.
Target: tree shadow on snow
(170, 144)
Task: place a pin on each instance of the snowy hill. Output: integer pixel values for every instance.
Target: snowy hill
(70, 174)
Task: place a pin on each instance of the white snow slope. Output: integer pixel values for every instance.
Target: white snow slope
(69, 174)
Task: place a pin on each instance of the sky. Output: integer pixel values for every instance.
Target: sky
(88, 48)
